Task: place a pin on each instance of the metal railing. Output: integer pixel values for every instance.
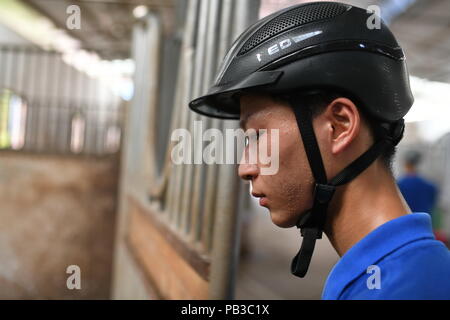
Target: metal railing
(48, 106)
(197, 201)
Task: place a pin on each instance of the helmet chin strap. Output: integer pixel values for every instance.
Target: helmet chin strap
(311, 223)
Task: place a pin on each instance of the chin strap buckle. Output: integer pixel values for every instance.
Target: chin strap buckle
(315, 218)
(323, 193)
(311, 226)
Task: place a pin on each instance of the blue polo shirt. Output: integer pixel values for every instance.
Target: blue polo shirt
(419, 193)
(399, 260)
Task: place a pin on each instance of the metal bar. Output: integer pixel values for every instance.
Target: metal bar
(92, 92)
(212, 171)
(2, 66)
(28, 68)
(186, 80)
(177, 115)
(10, 66)
(54, 103)
(156, 46)
(48, 102)
(201, 170)
(224, 255)
(131, 124)
(101, 103)
(19, 72)
(45, 68)
(142, 98)
(66, 103)
(3, 112)
(60, 114)
(31, 136)
(3, 75)
(197, 88)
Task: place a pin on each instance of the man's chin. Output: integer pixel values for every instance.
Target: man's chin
(282, 220)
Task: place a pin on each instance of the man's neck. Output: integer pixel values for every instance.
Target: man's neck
(363, 205)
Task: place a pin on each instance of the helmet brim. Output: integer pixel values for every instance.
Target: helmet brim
(222, 101)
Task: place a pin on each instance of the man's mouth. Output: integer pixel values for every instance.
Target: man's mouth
(263, 202)
(262, 198)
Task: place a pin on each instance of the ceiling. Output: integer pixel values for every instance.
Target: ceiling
(424, 33)
(421, 26)
(106, 25)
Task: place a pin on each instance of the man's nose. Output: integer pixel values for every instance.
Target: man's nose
(248, 171)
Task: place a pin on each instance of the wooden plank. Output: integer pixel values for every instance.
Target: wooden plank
(161, 259)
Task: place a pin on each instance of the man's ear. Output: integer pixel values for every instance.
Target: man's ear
(344, 122)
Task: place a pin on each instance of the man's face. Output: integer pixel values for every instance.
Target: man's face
(287, 193)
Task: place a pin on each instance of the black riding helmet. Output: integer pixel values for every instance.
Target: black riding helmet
(310, 47)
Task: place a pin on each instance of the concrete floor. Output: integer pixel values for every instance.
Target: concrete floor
(264, 268)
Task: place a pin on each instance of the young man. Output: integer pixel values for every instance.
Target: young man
(337, 92)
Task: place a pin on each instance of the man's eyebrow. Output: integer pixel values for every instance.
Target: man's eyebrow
(243, 122)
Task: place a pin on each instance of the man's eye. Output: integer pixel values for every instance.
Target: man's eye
(255, 137)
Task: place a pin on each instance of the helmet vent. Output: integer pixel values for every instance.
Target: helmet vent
(298, 16)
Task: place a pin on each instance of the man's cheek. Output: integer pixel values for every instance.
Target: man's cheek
(269, 152)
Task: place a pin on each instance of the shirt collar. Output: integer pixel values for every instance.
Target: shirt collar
(373, 247)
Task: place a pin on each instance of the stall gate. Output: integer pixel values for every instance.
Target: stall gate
(177, 223)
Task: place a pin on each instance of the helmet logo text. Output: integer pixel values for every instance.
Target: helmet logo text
(286, 43)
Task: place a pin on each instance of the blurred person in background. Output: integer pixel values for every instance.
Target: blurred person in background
(419, 193)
